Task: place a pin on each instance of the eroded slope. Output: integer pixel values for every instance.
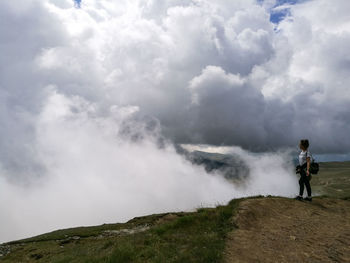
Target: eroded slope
(286, 230)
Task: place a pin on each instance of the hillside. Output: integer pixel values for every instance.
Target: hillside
(333, 179)
(256, 229)
(285, 230)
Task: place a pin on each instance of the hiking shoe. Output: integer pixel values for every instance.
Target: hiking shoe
(300, 198)
(308, 199)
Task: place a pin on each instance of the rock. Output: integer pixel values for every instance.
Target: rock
(5, 250)
(126, 231)
(36, 256)
(166, 218)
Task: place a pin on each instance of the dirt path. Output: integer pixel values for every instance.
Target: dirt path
(286, 230)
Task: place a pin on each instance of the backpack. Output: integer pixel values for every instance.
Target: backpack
(314, 166)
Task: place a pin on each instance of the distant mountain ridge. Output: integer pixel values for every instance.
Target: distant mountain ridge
(231, 166)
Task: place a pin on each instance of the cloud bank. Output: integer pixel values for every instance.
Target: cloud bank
(92, 98)
(96, 173)
(160, 55)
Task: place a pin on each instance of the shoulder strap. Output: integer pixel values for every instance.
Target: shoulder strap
(310, 155)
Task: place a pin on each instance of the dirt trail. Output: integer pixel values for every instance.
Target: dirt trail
(287, 230)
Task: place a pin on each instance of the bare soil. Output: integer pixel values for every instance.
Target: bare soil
(287, 230)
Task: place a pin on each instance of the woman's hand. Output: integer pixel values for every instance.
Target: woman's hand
(307, 173)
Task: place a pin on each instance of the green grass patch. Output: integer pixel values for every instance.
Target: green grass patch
(333, 180)
(187, 237)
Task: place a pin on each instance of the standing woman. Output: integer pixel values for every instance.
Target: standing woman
(304, 169)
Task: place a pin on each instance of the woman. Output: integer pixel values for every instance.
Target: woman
(305, 176)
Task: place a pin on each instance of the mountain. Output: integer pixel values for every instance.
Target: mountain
(232, 166)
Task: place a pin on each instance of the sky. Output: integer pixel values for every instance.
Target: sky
(280, 9)
(284, 54)
(95, 94)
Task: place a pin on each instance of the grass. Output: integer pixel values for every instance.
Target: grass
(187, 237)
(333, 180)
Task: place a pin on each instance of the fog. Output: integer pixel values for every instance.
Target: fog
(96, 173)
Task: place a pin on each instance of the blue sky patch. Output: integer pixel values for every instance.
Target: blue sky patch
(277, 15)
(77, 3)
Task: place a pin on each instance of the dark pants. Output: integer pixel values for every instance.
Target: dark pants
(304, 179)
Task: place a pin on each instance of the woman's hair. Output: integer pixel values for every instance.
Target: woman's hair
(304, 143)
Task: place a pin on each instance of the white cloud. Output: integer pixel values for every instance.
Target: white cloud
(96, 176)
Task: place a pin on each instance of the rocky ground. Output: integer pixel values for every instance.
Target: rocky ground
(287, 230)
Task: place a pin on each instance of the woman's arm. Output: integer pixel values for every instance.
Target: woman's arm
(307, 166)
